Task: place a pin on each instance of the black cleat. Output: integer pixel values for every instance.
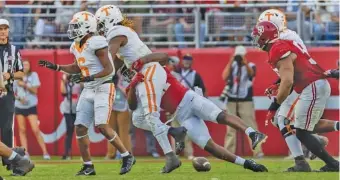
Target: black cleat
(86, 170)
(330, 168)
(171, 164)
(252, 165)
(179, 135)
(128, 162)
(21, 166)
(257, 138)
(300, 166)
(20, 150)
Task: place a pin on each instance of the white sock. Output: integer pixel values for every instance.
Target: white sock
(12, 156)
(88, 163)
(240, 161)
(294, 145)
(163, 141)
(125, 154)
(249, 130)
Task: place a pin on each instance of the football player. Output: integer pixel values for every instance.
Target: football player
(285, 113)
(95, 68)
(190, 108)
(295, 67)
(123, 40)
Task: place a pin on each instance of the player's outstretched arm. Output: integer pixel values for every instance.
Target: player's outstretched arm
(286, 71)
(103, 57)
(70, 68)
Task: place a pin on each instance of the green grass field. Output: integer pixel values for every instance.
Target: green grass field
(148, 169)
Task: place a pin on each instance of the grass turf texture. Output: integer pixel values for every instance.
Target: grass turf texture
(148, 169)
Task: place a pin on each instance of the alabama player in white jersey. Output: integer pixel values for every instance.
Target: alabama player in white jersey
(285, 114)
(93, 67)
(124, 40)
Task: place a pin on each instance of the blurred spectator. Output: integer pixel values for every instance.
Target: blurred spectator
(137, 20)
(316, 25)
(163, 24)
(186, 24)
(214, 24)
(120, 119)
(235, 23)
(239, 75)
(64, 15)
(89, 5)
(329, 16)
(45, 25)
(19, 23)
(26, 107)
(71, 93)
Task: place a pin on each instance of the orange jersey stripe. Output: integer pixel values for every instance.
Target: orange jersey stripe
(148, 89)
(153, 88)
(292, 108)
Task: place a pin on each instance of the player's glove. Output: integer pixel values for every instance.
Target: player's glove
(332, 73)
(274, 106)
(137, 65)
(139, 77)
(78, 78)
(49, 65)
(271, 90)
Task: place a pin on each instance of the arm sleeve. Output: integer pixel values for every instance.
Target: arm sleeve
(18, 66)
(199, 82)
(36, 81)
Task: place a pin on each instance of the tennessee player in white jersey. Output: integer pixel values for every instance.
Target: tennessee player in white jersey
(285, 115)
(125, 41)
(95, 69)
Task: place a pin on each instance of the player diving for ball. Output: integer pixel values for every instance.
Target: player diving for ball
(285, 115)
(297, 70)
(190, 108)
(94, 67)
(124, 41)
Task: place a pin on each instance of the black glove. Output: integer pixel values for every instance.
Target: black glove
(334, 73)
(77, 78)
(48, 65)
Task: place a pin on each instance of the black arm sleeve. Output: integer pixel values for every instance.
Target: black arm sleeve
(18, 62)
(199, 82)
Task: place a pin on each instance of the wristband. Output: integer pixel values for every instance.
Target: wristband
(58, 67)
(274, 105)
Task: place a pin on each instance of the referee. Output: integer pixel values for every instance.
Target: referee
(12, 69)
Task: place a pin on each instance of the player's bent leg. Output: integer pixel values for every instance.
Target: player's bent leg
(235, 122)
(294, 145)
(127, 159)
(325, 125)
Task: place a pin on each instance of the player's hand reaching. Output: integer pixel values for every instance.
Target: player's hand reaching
(332, 73)
(271, 90)
(49, 65)
(78, 78)
(137, 65)
(139, 77)
(274, 106)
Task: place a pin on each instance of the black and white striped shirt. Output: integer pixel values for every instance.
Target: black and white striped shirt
(10, 60)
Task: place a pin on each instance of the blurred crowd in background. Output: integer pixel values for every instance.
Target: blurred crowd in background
(39, 27)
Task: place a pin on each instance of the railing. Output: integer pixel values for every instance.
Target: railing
(218, 29)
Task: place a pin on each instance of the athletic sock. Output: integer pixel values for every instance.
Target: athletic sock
(163, 141)
(125, 154)
(88, 163)
(312, 144)
(240, 161)
(12, 156)
(336, 126)
(249, 130)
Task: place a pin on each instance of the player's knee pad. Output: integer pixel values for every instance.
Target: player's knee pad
(287, 131)
(156, 125)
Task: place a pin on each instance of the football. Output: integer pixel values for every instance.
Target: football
(201, 164)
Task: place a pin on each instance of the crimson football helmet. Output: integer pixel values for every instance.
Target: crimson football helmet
(264, 33)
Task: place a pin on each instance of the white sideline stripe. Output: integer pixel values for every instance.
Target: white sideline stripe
(263, 102)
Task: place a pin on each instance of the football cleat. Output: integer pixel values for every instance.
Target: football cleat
(21, 166)
(86, 170)
(179, 135)
(300, 166)
(328, 168)
(127, 164)
(171, 164)
(257, 138)
(252, 165)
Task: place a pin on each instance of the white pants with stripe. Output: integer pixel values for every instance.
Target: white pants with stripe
(287, 107)
(311, 104)
(95, 105)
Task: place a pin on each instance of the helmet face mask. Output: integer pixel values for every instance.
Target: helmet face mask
(83, 23)
(107, 17)
(264, 33)
(74, 32)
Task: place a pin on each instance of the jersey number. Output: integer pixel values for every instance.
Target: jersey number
(304, 51)
(84, 70)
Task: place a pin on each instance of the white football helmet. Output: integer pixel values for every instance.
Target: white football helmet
(275, 16)
(81, 24)
(108, 16)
